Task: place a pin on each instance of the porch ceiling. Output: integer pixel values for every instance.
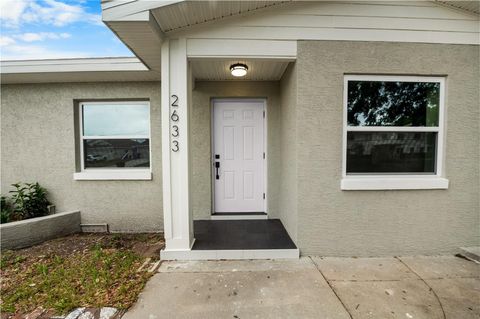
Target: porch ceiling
(219, 70)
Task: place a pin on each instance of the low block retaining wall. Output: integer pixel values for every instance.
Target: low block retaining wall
(33, 231)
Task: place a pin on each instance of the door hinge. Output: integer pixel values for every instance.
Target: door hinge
(263, 195)
(263, 114)
(263, 155)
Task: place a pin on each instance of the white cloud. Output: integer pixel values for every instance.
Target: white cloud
(10, 49)
(4, 41)
(41, 36)
(13, 13)
(17, 51)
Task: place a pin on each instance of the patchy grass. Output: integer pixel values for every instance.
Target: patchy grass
(88, 270)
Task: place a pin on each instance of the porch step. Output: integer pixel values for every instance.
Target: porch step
(230, 254)
(237, 239)
(472, 253)
(240, 213)
(239, 216)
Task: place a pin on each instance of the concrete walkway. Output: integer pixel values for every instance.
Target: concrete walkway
(313, 287)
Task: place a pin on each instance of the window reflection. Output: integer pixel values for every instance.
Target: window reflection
(391, 152)
(116, 120)
(116, 153)
(379, 103)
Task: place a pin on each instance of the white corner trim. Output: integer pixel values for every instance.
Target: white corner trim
(393, 183)
(110, 175)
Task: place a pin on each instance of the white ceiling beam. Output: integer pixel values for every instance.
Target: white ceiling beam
(225, 48)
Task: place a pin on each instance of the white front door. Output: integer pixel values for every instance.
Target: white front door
(239, 156)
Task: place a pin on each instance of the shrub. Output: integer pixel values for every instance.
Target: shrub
(29, 200)
(5, 210)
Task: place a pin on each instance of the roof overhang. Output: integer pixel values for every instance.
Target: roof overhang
(142, 25)
(76, 70)
(133, 23)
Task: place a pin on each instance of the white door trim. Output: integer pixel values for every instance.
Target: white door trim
(212, 153)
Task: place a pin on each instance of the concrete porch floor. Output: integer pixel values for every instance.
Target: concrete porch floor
(313, 287)
(237, 239)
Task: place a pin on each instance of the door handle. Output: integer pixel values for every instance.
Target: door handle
(217, 166)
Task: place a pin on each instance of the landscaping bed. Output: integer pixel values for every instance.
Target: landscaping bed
(81, 270)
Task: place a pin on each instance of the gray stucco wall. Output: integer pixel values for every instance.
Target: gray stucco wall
(287, 205)
(304, 148)
(373, 223)
(201, 138)
(38, 144)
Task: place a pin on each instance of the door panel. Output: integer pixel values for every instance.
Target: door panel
(239, 142)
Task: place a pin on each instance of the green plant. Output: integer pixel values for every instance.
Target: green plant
(5, 210)
(29, 200)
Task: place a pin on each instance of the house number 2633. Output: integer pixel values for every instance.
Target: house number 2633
(174, 118)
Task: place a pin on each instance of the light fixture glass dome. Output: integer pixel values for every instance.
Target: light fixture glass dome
(238, 69)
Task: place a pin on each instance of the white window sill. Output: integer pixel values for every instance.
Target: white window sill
(393, 183)
(111, 175)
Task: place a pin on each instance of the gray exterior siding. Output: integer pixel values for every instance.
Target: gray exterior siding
(38, 144)
(332, 222)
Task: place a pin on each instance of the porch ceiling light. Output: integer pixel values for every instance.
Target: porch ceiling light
(238, 69)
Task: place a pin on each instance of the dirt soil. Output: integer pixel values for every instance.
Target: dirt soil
(81, 270)
(144, 245)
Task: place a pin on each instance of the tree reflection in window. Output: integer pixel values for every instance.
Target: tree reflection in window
(379, 103)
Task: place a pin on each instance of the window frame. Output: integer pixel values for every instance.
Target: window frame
(105, 173)
(386, 181)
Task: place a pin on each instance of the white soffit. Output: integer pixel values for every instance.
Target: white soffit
(219, 70)
(143, 38)
(472, 6)
(134, 25)
(189, 13)
(75, 70)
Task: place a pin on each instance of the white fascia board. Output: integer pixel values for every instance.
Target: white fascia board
(71, 77)
(72, 65)
(122, 10)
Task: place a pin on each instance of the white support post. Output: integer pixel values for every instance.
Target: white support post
(177, 212)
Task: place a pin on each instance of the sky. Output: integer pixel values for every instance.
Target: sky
(52, 29)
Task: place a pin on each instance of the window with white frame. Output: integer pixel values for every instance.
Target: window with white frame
(393, 125)
(115, 135)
